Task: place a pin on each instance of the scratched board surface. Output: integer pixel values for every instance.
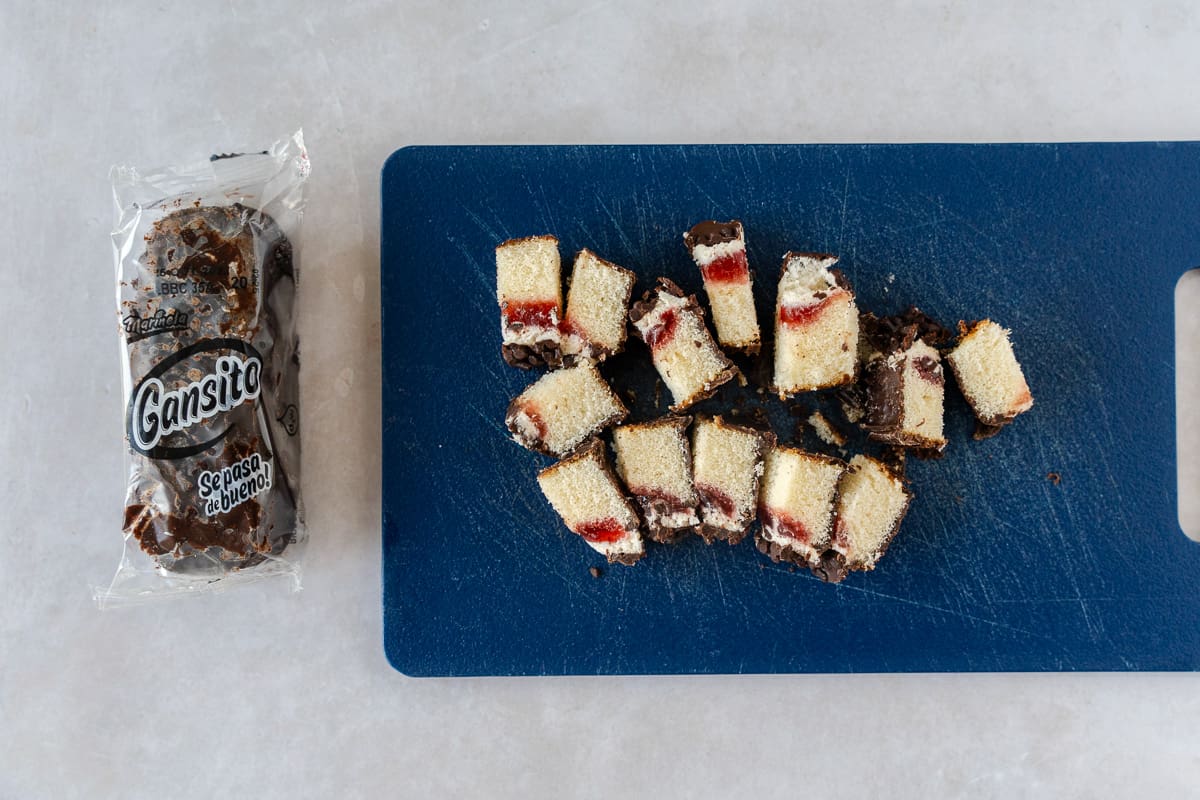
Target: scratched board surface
(1077, 248)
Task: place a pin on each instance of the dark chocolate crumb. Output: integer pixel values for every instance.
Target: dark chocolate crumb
(984, 431)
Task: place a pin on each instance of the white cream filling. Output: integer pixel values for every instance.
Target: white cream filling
(629, 543)
(530, 335)
(772, 531)
(803, 277)
(526, 429)
(705, 254)
(683, 518)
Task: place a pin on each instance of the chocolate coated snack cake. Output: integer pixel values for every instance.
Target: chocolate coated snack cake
(212, 420)
(719, 250)
(905, 381)
(671, 324)
(727, 463)
(562, 409)
(797, 501)
(654, 460)
(585, 493)
(816, 326)
(529, 291)
(990, 376)
(597, 302)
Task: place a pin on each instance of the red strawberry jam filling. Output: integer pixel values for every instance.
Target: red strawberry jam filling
(661, 334)
(539, 313)
(604, 530)
(727, 269)
(806, 315)
(717, 499)
(786, 525)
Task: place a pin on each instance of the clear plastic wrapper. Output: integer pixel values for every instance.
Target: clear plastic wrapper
(207, 264)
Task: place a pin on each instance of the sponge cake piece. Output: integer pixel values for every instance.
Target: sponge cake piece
(727, 462)
(654, 461)
(872, 502)
(989, 375)
(683, 351)
(529, 290)
(563, 408)
(797, 504)
(719, 250)
(596, 307)
(585, 494)
(816, 326)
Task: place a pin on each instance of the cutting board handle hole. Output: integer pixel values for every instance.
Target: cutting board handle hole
(1187, 400)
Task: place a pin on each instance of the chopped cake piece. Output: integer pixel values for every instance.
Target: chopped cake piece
(905, 385)
(905, 393)
(585, 494)
(529, 289)
(719, 250)
(797, 503)
(561, 409)
(683, 351)
(727, 462)
(990, 376)
(872, 501)
(596, 307)
(825, 430)
(655, 462)
(816, 326)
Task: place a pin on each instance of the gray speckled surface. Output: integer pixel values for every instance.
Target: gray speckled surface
(278, 695)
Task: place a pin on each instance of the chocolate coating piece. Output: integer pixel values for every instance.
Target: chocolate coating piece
(657, 508)
(831, 567)
(898, 332)
(544, 353)
(711, 232)
(780, 553)
(713, 533)
(885, 398)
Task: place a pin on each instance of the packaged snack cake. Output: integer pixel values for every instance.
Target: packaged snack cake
(207, 268)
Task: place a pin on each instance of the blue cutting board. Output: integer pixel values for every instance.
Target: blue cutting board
(1076, 247)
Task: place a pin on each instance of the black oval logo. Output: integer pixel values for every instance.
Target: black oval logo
(156, 411)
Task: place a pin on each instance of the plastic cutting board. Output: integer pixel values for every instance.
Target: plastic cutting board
(1075, 247)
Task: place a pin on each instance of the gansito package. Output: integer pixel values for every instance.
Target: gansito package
(207, 264)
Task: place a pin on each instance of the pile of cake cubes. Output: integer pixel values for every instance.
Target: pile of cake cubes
(715, 475)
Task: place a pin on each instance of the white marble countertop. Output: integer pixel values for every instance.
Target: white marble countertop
(264, 693)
